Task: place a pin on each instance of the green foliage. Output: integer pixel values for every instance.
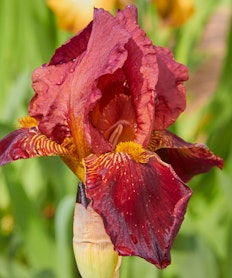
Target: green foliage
(36, 204)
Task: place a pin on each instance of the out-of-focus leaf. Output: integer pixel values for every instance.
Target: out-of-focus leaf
(12, 268)
(190, 34)
(15, 98)
(39, 247)
(137, 267)
(63, 231)
(197, 262)
(43, 274)
(227, 266)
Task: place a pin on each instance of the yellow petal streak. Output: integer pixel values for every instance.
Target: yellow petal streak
(134, 150)
(40, 145)
(72, 160)
(93, 249)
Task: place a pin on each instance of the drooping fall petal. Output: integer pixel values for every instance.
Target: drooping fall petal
(186, 159)
(142, 204)
(26, 143)
(171, 99)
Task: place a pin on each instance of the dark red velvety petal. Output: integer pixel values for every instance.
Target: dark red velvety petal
(142, 71)
(142, 204)
(186, 159)
(170, 100)
(26, 143)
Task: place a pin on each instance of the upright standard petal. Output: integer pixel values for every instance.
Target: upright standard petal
(73, 48)
(26, 143)
(142, 204)
(50, 103)
(66, 89)
(105, 54)
(51, 84)
(171, 99)
(186, 159)
(141, 70)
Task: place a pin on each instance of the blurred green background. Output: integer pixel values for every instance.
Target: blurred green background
(37, 196)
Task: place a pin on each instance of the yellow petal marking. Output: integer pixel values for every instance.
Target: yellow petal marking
(134, 150)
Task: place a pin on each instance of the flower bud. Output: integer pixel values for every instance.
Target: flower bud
(93, 249)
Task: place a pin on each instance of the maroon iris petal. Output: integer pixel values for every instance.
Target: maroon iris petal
(72, 48)
(52, 83)
(142, 72)
(66, 89)
(186, 159)
(105, 54)
(170, 100)
(26, 143)
(49, 106)
(142, 204)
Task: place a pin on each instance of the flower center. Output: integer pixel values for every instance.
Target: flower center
(116, 120)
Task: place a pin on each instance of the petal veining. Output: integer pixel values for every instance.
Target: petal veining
(142, 204)
(26, 143)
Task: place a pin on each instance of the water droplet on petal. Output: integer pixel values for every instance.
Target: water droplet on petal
(60, 81)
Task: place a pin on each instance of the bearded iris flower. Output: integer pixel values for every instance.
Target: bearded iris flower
(103, 104)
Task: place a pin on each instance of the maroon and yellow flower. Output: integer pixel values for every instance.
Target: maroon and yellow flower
(104, 103)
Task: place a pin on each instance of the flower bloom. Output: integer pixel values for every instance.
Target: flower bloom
(104, 103)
